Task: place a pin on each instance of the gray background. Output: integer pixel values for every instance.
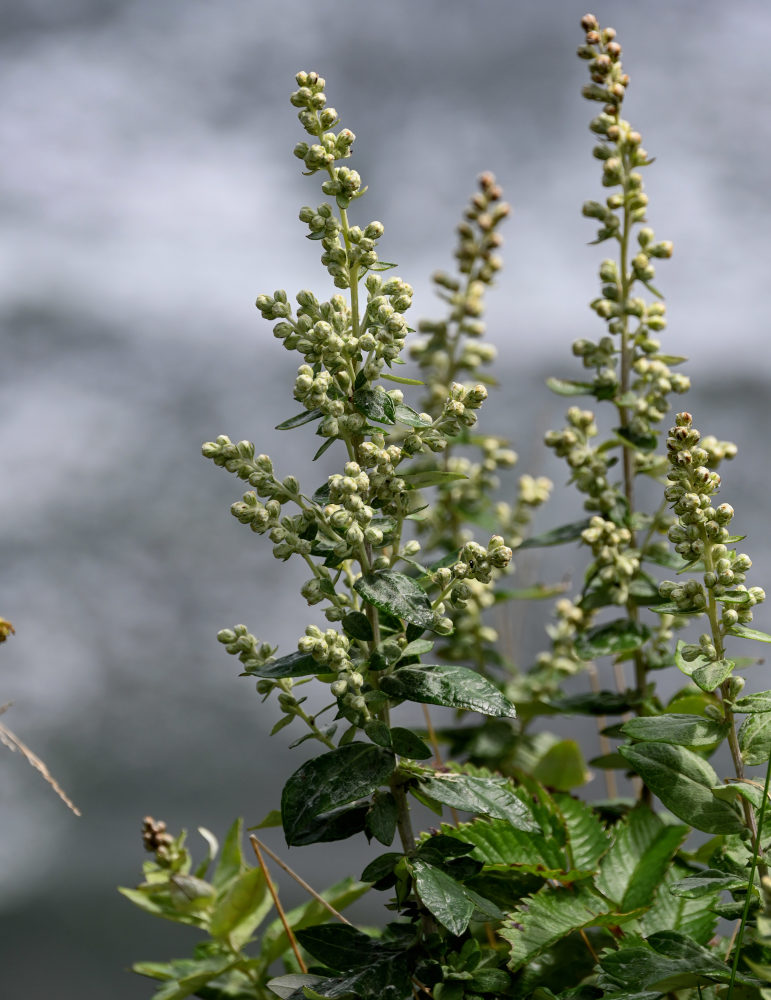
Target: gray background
(148, 194)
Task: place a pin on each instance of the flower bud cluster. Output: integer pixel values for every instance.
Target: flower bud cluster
(168, 850)
(544, 680)
(384, 325)
(589, 465)
(330, 649)
(240, 642)
(701, 531)
(316, 118)
(616, 563)
(475, 562)
(446, 353)
(460, 407)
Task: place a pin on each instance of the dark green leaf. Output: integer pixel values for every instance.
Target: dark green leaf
(340, 946)
(397, 595)
(599, 703)
(447, 684)
(375, 404)
(706, 883)
(325, 447)
(557, 536)
(683, 730)
(357, 626)
(749, 633)
(489, 796)
(567, 387)
(587, 839)
(378, 732)
(439, 847)
(381, 819)
(406, 415)
(641, 442)
(431, 477)
(302, 418)
(755, 738)
(442, 896)
(294, 665)
(407, 744)
(683, 781)
(332, 780)
(619, 636)
(339, 824)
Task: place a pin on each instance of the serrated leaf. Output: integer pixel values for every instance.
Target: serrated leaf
(302, 418)
(472, 793)
(683, 730)
(442, 896)
(387, 979)
(683, 781)
(743, 632)
(587, 839)
(375, 404)
(557, 536)
(447, 684)
(501, 846)
(397, 595)
(332, 780)
(406, 415)
(619, 636)
(632, 869)
(755, 738)
(567, 387)
(552, 914)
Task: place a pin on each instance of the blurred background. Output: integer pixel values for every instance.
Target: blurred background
(148, 194)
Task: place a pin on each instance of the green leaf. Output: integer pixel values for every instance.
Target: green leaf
(758, 702)
(397, 595)
(406, 415)
(552, 914)
(447, 684)
(537, 592)
(641, 442)
(642, 850)
(442, 896)
(292, 985)
(407, 744)
(375, 404)
(706, 883)
(401, 379)
(381, 819)
(598, 703)
(619, 636)
(567, 387)
(387, 979)
(587, 839)
(293, 665)
(341, 947)
(231, 860)
(357, 626)
(683, 781)
(417, 648)
(334, 779)
(213, 845)
(241, 908)
(562, 767)
(682, 730)
(198, 973)
(302, 418)
(749, 633)
(692, 917)
(471, 793)
(755, 738)
(431, 477)
(271, 820)
(557, 536)
(711, 675)
(502, 847)
(325, 447)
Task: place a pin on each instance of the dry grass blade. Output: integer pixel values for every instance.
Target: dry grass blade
(276, 902)
(10, 740)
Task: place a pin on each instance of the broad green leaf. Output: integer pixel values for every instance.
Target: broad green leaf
(384, 979)
(357, 626)
(692, 917)
(302, 418)
(567, 387)
(562, 767)
(431, 477)
(334, 779)
(340, 946)
(557, 536)
(293, 665)
(755, 738)
(683, 781)
(159, 905)
(231, 860)
(417, 648)
(706, 883)
(241, 908)
(758, 702)
(442, 896)
(619, 636)
(407, 744)
(381, 818)
(711, 675)
(406, 415)
(683, 730)
(749, 633)
(397, 595)
(447, 684)
(471, 793)
(632, 869)
(587, 839)
(375, 404)
(500, 846)
(292, 985)
(200, 972)
(736, 790)
(552, 914)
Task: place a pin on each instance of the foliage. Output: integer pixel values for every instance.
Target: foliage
(532, 893)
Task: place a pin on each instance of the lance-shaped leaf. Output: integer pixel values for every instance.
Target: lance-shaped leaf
(619, 636)
(749, 633)
(442, 896)
(632, 869)
(332, 780)
(431, 477)
(293, 665)
(406, 415)
(557, 536)
(683, 781)
(755, 738)
(567, 387)
(682, 730)
(552, 914)
(473, 793)
(447, 684)
(398, 595)
(302, 418)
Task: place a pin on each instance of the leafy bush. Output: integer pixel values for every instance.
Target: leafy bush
(524, 889)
